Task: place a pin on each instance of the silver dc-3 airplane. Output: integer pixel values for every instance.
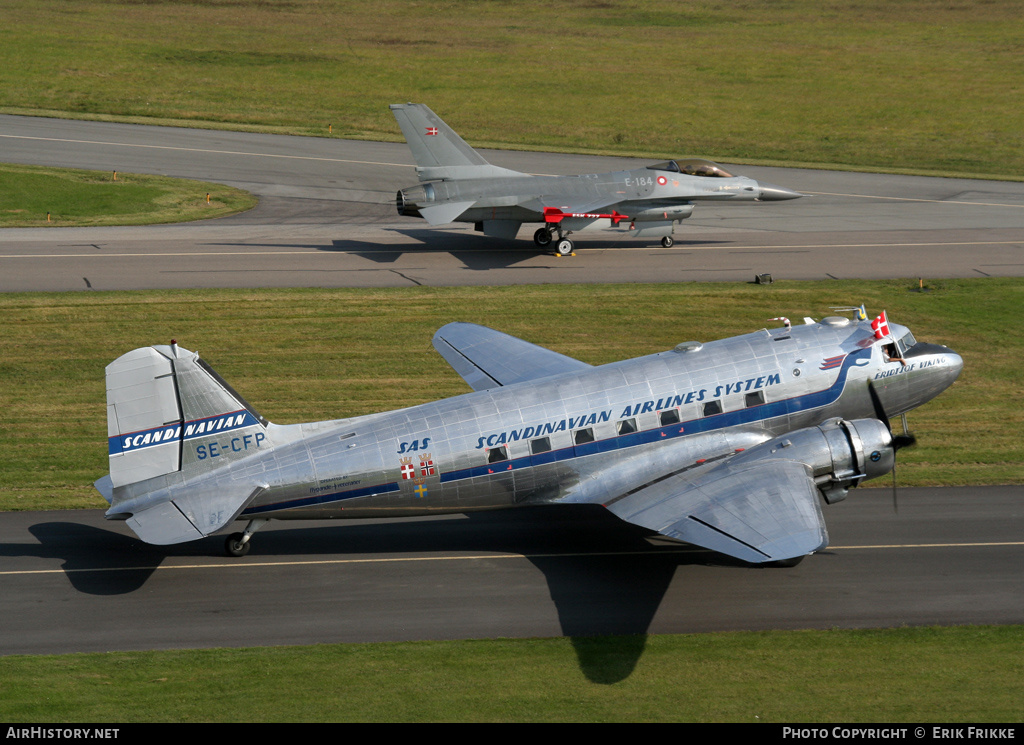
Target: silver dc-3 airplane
(459, 185)
(728, 445)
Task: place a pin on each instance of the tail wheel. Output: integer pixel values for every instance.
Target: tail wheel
(236, 545)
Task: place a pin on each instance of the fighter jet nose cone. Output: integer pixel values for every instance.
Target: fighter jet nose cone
(773, 193)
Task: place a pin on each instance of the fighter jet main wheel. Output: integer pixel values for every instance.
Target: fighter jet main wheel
(564, 247)
(542, 237)
(667, 241)
(235, 545)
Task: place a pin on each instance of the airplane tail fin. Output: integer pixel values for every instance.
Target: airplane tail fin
(170, 415)
(438, 151)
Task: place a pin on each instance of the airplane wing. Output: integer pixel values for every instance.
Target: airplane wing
(760, 511)
(486, 358)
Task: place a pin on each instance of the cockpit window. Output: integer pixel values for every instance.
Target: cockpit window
(904, 343)
(693, 167)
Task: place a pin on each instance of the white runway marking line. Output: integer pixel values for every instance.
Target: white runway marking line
(318, 252)
(208, 152)
(912, 199)
(475, 557)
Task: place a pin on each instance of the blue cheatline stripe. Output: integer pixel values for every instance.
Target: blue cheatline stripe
(311, 501)
(175, 431)
(682, 429)
(707, 424)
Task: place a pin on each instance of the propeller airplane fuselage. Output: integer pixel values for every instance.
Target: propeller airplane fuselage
(729, 445)
(459, 185)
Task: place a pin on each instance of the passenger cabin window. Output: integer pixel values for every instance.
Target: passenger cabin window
(626, 426)
(669, 416)
(754, 399)
(583, 436)
(498, 454)
(540, 445)
(712, 407)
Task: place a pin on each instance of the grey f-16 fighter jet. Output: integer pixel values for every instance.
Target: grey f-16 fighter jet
(730, 445)
(458, 185)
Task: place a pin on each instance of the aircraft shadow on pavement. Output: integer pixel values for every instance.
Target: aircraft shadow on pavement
(605, 577)
(477, 252)
(97, 561)
(480, 252)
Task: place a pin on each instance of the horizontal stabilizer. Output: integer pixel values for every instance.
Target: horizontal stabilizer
(442, 214)
(758, 512)
(486, 358)
(199, 512)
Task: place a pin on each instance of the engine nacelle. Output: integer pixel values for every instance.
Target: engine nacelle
(840, 453)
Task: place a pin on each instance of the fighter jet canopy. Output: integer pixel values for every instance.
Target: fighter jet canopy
(692, 167)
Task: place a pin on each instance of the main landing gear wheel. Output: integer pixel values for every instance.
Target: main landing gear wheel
(564, 247)
(236, 545)
(542, 237)
(667, 241)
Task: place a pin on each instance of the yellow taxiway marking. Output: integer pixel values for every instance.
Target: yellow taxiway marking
(241, 564)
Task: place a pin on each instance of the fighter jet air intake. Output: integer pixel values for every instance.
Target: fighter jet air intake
(458, 185)
(729, 445)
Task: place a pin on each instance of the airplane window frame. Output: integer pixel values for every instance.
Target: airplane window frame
(501, 450)
(585, 432)
(670, 412)
(716, 403)
(630, 422)
(754, 398)
(540, 445)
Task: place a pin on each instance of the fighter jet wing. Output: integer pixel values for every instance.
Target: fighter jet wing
(759, 511)
(486, 358)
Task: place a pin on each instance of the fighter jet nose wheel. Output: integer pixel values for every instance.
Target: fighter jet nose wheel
(564, 247)
(542, 237)
(236, 545)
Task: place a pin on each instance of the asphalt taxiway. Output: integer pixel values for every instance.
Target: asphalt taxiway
(327, 218)
(72, 582)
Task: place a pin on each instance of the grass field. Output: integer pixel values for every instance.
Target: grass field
(920, 85)
(33, 196)
(306, 355)
(969, 675)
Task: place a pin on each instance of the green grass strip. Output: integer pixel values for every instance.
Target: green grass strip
(34, 196)
(909, 86)
(967, 674)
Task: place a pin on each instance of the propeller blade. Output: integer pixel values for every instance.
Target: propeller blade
(900, 441)
(876, 402)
